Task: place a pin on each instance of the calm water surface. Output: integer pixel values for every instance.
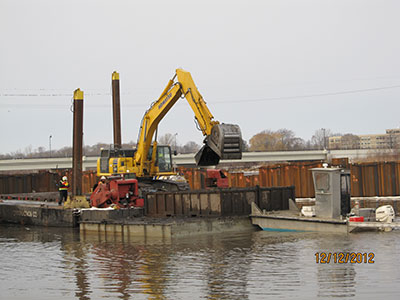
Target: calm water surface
(54, 263)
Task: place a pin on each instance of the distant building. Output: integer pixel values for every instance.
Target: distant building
(335, 142)
(388, 140)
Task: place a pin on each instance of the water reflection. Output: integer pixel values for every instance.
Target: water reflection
(222, 263)
(75, 257)
(62, 264)
(129, 267)
(115, 264)
(161, 269)
(334, 279)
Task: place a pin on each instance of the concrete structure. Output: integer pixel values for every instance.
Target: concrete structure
(37, 213)
(388, 140)
(166, 229)
(89, 163)
(45, 163)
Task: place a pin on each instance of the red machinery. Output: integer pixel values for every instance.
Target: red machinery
(216, 178)
(120, 192)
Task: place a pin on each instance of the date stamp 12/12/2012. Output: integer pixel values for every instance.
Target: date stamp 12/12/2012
(345, 257)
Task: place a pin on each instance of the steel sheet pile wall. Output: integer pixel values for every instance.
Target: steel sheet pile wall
(375, 179)
(296, 174)
(367, 179)
(42, 181)
(217, 202)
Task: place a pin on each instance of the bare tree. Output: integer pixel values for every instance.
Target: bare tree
(167, 139)
(245, 146)
(17, 154)
(189, 147)
(320, 138)
(297, 144)
(308, 145)
(350, 141)
(65, 152)
(28, 151)
(290, 141)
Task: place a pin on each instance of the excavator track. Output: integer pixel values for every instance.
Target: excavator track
(162, 185)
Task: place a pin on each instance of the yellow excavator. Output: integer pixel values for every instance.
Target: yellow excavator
(150, 161)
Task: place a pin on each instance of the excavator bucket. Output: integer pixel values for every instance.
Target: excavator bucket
(225, 142)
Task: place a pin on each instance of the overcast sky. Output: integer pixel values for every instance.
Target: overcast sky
(270, 64)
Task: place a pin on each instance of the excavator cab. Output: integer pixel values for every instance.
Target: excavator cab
(163, 158)
(224, 142)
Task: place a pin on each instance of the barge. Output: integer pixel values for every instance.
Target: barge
(165, 214)
(331, 212)
(293, 221)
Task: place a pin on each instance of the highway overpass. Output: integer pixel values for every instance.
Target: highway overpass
(188, 159)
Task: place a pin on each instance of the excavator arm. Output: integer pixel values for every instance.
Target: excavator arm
(222, 141)
(204, 118)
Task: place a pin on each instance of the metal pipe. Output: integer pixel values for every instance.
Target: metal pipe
(116, 110)
(77, 143)
(50, 144)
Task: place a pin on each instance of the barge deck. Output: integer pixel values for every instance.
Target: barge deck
(291, 220)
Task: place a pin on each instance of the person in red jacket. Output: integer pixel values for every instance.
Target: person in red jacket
(63, 189)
